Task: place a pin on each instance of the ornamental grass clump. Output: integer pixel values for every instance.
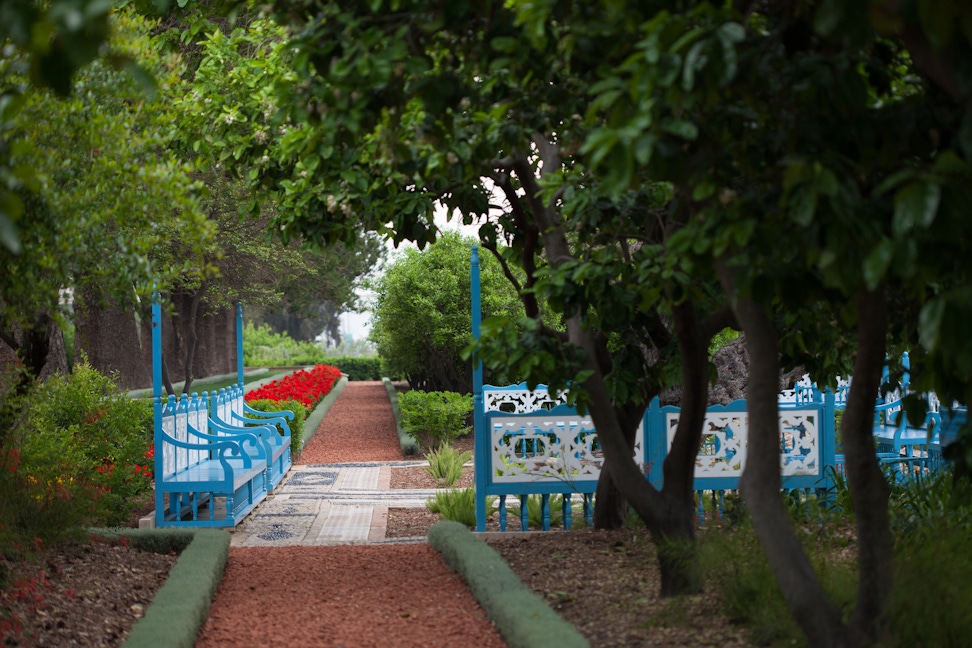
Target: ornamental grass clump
(445, 465)
(458, 505)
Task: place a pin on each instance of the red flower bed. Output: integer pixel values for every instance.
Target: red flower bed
(308, 387)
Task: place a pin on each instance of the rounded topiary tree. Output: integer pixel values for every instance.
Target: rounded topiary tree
(421, 318)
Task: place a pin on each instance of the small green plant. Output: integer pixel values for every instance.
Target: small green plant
(434, 417)
(445, 465)
(733, 562)
(535, 510)
(459, 505)
(931, 517)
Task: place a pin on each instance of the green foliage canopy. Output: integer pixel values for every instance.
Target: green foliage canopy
(422, 318)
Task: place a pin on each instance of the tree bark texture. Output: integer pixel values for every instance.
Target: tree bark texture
(760, 485)
(668, 514)
(868, 487)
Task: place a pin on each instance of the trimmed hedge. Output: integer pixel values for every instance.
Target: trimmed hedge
(409, 445)
(181, 606)
(358, 368)
(523, 618)
(296, 425)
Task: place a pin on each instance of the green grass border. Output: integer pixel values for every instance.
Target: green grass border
(409, 445)
(181, 606)
(523, 618)
(314, 419)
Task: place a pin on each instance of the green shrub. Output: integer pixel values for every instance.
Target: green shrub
(79, 454)
(732, 559)
(435, 417)
(358, 368)
(296, 425)
(458, 505)
(445, 465)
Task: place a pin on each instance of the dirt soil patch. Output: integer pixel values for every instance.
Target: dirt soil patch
(419, 477)
(80, 595)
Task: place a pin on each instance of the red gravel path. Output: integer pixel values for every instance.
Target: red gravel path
(359, 426)
(349, 595)
(396, 595)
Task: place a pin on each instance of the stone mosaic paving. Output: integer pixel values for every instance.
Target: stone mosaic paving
(328, 504)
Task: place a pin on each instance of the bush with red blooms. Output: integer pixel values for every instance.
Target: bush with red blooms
(307, 387)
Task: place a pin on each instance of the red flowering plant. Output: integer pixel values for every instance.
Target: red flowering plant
(298, 392)
(306, 387)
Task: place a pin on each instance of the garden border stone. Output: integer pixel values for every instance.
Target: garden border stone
(313, 420)
(523, 618)
(409, 445)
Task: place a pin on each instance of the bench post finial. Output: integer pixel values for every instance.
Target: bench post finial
(239, 342)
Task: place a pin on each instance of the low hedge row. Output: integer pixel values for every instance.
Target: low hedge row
(358, 368)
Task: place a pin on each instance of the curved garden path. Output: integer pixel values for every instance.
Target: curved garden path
(339, 595)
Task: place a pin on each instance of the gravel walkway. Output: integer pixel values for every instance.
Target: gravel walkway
(360, 426)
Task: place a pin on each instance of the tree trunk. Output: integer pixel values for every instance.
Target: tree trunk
(192, 322)
(610, 507)
(868, 488)
(817, 615)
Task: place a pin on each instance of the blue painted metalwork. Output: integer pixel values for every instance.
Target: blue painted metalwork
(479, 435)
(527, 443)
(239, 343)
(197, 461)
(231, 415)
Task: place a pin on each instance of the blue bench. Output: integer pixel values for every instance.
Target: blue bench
(211, 472)
(196, 469)
(230, 414)
(897, 440)
(544, 452)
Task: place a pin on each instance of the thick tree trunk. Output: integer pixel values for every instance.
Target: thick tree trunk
(868, 488)
(817, 615)
(32, 346)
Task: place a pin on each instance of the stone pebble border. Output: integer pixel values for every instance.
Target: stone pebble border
(181, 606)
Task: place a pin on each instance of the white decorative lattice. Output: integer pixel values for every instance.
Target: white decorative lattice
(725, 436)
(562, 448)
(544, 448)
(520, 401)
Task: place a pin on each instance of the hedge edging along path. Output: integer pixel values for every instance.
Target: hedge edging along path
(523, 618)
(409, 445)
(315, 418)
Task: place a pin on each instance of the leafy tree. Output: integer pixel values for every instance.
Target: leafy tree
(267, 269)
(821, 203)
(50, 42)
(106, 194)
(809, 160)
(422, 319)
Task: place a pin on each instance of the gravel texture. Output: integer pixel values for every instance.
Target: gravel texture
(359, 426)
(401, 595)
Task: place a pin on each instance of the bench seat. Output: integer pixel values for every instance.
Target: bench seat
(200, 469)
